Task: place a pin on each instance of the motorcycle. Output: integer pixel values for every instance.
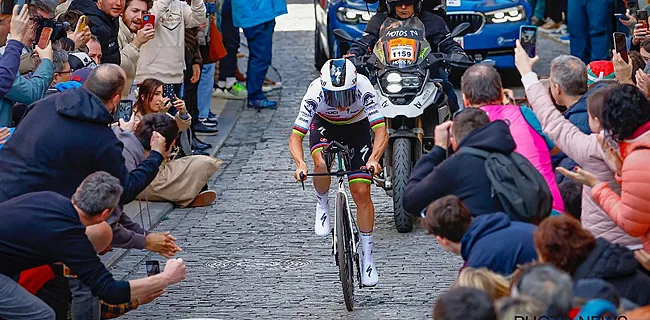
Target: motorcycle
(412, 100)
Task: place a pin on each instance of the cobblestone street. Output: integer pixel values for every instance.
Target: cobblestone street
(254, 254)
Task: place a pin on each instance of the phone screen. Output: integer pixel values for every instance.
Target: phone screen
(124, 110)
(642, 17)
(45, 37)
(528, 39)
(620, 45)
(153, 267)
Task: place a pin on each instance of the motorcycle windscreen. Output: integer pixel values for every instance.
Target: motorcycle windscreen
(402, 42)
(340, 99)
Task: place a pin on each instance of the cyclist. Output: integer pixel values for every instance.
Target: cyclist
(435, 29)
(342, 106)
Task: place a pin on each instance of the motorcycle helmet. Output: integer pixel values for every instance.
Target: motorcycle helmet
(338, 79)
(391, 4)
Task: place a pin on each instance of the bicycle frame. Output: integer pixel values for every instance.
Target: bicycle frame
(340, 195)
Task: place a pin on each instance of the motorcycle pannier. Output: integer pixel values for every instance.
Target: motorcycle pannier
(521, 189)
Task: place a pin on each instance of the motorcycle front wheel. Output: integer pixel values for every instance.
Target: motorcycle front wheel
(401, 173)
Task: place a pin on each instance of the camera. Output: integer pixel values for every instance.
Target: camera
(59, 29)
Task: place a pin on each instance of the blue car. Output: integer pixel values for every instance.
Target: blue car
(494, 26)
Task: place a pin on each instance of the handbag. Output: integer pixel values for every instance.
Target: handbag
(217, 49)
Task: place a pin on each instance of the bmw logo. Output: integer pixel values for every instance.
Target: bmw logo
(500, 41)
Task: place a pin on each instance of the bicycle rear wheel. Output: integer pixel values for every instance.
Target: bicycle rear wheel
(344, 249)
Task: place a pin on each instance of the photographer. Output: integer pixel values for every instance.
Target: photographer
(17, 25)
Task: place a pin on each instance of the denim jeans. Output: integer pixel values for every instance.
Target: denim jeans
(590, 24)
(17, 303)
(260, 46)
(85, 306)
(228, 64)
(204, 95)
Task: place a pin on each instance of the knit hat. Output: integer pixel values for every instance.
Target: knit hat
(81, 75)
(600, 70)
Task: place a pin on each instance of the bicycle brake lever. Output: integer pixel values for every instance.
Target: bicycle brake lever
(302, 180)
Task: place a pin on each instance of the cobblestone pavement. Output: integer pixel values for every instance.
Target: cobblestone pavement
(254, 254)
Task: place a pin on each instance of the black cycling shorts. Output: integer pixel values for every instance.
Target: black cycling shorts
(355, 135)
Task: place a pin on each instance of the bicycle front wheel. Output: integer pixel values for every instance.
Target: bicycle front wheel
(344, 249)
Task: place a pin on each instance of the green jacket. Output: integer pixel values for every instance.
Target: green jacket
(26, 91)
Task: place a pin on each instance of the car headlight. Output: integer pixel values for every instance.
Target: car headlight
(514, 14)
(353, 16)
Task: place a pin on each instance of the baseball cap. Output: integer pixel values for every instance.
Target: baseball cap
(80, 60)
(600, 70)
(81, 75)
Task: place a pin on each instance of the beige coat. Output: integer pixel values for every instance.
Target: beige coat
(586, 151)
(129, 56)
(183, 124)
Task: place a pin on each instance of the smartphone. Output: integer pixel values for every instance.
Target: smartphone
(82, 23)
(528, 39)
(642, 17)
(149, 19)
(620, 45)
(124, 110)
(153, 267)
(45, 37)
(168, 92)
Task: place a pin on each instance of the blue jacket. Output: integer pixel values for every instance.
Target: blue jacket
(498, 244)
(9, 63)
(26, 91)
(250, 13)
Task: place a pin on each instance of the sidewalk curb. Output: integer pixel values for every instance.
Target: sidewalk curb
(158, 210)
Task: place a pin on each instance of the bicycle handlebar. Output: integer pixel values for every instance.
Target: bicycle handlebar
(336, 173)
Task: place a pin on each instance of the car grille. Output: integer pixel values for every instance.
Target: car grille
(475, 20)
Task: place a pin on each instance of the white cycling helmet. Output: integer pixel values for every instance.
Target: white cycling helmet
(338, 78)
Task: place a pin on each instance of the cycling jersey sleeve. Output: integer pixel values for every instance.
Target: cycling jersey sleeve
(370, 103)
(308, 107)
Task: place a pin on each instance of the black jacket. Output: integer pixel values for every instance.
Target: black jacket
(435, 29)
(616, 265)
(104, 27)
(462, 174)
(63, 139)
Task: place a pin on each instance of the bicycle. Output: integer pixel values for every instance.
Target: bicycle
(345, 238)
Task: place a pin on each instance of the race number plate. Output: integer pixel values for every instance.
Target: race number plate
(402, 49)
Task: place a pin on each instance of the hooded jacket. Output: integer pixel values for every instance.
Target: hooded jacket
(435, 31)
(104, 27)
(462, 175)
(133, 150)
(63, 139)
(630, 210)
(496, 243)
(616, 265)
(586, 151)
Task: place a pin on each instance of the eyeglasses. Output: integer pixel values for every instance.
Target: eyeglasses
(63, 72)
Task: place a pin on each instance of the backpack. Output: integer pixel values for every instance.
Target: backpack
(521, 189)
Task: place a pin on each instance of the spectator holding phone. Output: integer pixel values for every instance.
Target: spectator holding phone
(133, 35)
(104, 16)
(150, 100)
(17, 25)
(80, 36)
(46, 227)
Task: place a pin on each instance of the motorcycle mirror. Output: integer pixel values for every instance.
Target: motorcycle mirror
(344, 35)
(460, 30)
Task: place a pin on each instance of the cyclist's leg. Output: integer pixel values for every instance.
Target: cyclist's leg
(358, 138)
(318, 140)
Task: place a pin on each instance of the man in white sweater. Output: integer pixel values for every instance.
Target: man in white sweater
(163, 57)
(131, 38)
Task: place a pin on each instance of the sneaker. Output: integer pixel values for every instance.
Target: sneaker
(207, 123)
(369, 274)
(270, 85)
(236, 92)
(561, 30)
(263, 104)
(200, 129)
(204, 199)
(322, 221)
(549, 26)
(213, 117)
(566, 39)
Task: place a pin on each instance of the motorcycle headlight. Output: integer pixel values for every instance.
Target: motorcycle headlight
(353, 16)
(394, 88)
(411, 82)
(514, 14)
(394, 77)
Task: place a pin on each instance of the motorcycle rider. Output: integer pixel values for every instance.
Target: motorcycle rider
(435, 28)
(342, 105)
